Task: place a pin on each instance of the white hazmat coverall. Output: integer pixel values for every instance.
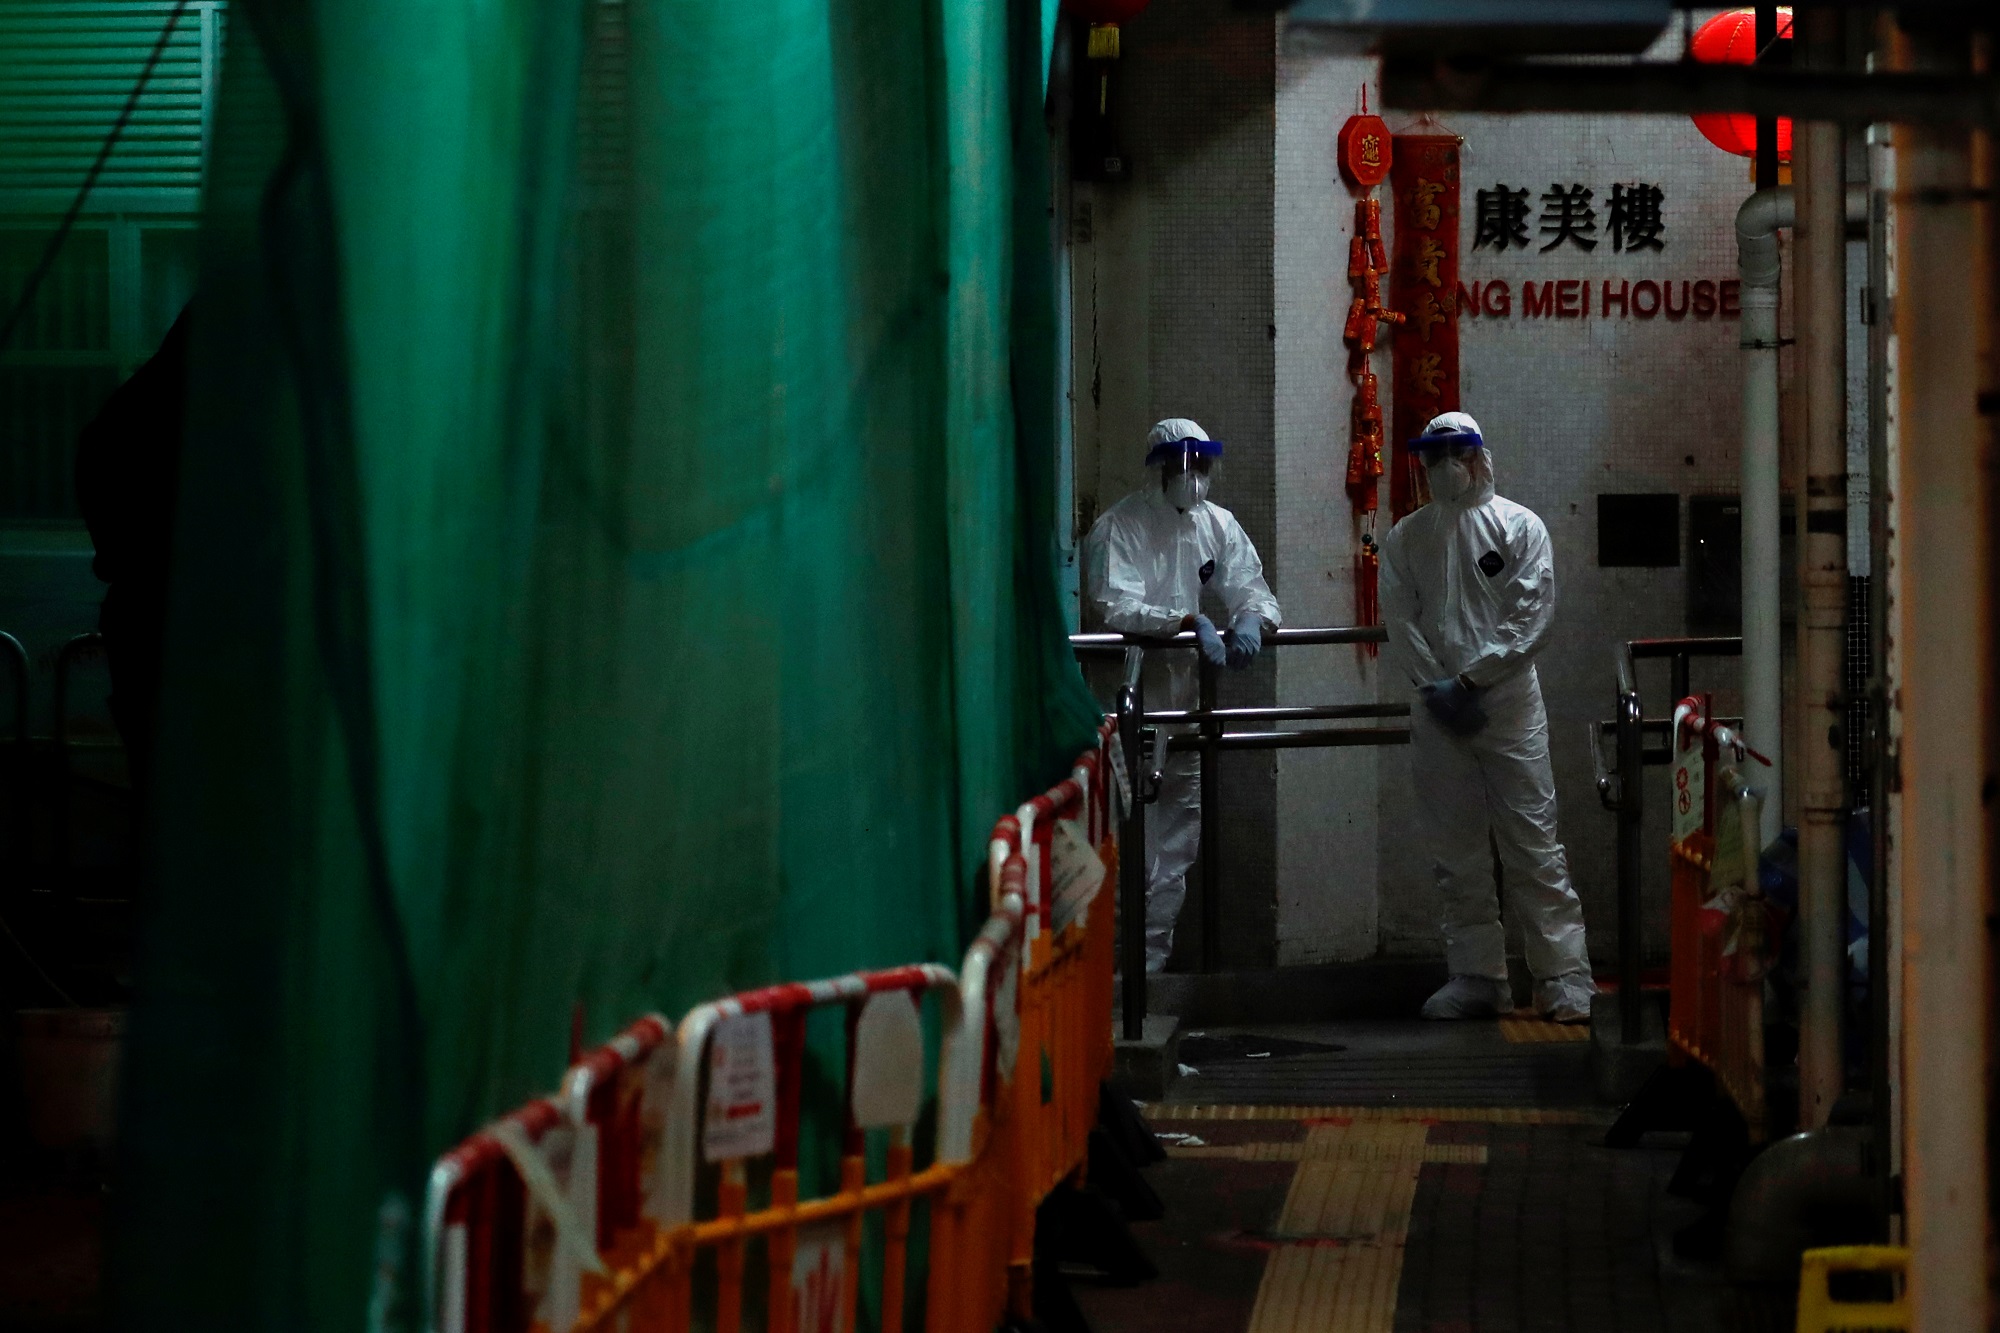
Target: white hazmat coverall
(1146, 565)
(1468, 588)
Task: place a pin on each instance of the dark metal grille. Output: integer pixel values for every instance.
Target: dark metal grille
(1856, 676)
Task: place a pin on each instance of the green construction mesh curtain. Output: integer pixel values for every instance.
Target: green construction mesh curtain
(615, 567)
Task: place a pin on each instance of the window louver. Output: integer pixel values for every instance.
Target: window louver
(66, 70)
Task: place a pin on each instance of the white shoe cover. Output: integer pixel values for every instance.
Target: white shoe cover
(1470, 997)
(1565, 999)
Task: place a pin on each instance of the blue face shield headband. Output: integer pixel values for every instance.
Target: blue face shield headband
(1430, 449)
(1185, 453)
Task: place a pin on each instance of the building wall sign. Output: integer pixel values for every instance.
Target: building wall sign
(1606, 298)
(1634, 221)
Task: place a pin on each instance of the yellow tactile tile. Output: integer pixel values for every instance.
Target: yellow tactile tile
(1342, 1231)
(1329, 1289)
(1476, 1115)
(1540, 1029)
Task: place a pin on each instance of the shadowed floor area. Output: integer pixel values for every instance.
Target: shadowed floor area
(1442, 1178)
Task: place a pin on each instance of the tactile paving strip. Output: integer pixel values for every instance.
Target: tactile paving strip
(1338, 1258)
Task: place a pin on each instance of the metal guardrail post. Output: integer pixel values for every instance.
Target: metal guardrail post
(1631, 811)
(1630, 725)
(1132, 846)
(1209, 739)
(1211, 822)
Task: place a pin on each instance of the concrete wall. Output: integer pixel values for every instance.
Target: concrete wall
(1171, 288)
(1327, 799)
(1171, 299)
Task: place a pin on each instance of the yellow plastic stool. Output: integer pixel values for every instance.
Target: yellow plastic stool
(1819, 1312)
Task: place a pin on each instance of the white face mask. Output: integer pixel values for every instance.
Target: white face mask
(1185, 490)
(1450, 479)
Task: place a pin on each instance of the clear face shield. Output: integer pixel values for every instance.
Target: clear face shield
(1447, 463)
(1186, 469)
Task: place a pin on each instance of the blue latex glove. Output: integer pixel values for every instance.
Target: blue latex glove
(1246, 639)
(1455, 705)
(1211, 642)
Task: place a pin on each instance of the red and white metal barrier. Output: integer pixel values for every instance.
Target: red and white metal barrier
(589, 1210)
(1721, 934)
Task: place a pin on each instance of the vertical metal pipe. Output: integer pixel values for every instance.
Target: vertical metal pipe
(1631, 815)
(1132, 850)
(1819, 285)
(1757, 224)
(1211, 824)
(1880, 968)
(1944, 628)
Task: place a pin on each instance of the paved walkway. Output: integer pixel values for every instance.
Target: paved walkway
(1442, 1178)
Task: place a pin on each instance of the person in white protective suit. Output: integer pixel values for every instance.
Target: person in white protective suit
(1468, 593)
(1147, 563)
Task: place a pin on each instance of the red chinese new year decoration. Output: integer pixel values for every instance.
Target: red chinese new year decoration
(1730, 38)
(1423, 285)
(1365, 153)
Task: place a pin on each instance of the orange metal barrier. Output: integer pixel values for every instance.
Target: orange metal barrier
(625, 1202)
(1721, 937)
(1056, 852)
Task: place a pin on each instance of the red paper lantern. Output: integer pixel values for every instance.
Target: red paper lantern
(1105, 11)
(1731, 39)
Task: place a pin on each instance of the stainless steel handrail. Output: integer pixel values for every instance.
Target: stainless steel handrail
(1287, 713)
(1146, 749)
(1103, 643)
(1622, 791)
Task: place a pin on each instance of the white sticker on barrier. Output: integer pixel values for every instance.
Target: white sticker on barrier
(742, 1114)
(819, 1275)
(888, 1062)
(1689, 774)
(1076, 872)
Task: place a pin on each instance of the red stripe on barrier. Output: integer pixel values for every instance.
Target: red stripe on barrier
(910, 977)
(774, 999)
(1008, 830)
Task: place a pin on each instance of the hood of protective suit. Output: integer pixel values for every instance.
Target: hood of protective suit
(1462, 483)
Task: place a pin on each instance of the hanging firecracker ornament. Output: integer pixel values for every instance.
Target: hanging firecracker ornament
(1363, 145)
(1364, 152)
(1364, 454)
